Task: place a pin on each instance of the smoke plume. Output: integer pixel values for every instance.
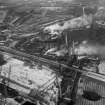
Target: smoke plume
(79, 22)
(90, 49)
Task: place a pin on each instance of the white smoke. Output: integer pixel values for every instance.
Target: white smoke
(86, 50)
(90, 49)
(83, 21)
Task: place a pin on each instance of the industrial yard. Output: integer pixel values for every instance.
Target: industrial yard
(52, 52)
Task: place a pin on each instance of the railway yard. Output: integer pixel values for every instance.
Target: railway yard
(52, 52)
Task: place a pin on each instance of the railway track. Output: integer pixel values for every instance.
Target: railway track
(18, 54)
